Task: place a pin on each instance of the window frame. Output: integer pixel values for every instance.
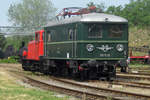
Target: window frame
(37, 37)
(112, 35)
(70, 33)
(96, 35)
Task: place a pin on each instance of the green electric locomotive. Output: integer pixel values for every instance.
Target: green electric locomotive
(86, 46)
(90, 45)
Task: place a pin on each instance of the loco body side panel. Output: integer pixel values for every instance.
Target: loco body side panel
(61, 46)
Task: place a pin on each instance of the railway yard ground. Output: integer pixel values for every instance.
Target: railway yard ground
(12, 88)
(16, 84)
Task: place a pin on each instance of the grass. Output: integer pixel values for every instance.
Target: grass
(10, 90)
(9, 60)
(139, 66)
(139, 37)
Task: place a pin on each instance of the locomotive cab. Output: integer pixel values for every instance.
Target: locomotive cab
(105, 46)
(108, 42)
(35, 47)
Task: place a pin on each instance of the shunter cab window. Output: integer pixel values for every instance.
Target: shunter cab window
(95, 31)
(115, 31)
(37, 37)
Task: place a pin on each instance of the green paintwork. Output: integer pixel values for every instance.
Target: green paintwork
(87, 58)
(61, 47)
(63, 42)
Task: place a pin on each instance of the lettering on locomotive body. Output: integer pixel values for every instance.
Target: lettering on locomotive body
(105, 55)
(104, 48)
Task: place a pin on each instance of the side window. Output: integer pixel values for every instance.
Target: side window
(49, 37)
(70, 31)
(95, 31)
(115, 31)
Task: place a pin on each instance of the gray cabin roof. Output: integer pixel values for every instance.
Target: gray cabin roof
(91, 17)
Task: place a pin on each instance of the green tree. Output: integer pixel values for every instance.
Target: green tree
(100, 6)
(2, 41)
(115, 10)
(137, 12)
(91, 4)
(29, 13)
(16, 41)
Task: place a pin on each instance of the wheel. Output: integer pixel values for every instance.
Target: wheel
(24, 68)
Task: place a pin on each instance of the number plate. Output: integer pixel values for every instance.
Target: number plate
(105, 55)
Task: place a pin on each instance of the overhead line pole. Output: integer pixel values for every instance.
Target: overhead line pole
(7, 30)
(18, 27)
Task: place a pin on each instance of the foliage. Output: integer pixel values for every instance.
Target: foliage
(100, 6)
(139, 66)
(2, 41)
(16, 41)
(137, 12)
(139, 37)
(31, 13)
(28, 14)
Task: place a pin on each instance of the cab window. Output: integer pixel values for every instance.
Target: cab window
(37, 37)
(115, 31)
(95, 31)
(50, 35)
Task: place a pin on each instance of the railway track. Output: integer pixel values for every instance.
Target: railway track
(119, 82)
(90, 92)
(133, 76)
(132, 84)
(144, 71)
(61, 89)
(71, 92)
(83, 91)
(124, 83)
(134, 73)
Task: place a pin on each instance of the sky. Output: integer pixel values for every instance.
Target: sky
(59, 4)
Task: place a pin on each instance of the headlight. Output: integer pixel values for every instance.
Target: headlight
(90, 47)
(120, 47)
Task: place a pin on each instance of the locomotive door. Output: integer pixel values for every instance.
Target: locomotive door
(37, 37)
(72, 37)
(74, 42)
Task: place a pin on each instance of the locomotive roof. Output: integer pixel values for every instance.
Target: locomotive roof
(91, 17)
